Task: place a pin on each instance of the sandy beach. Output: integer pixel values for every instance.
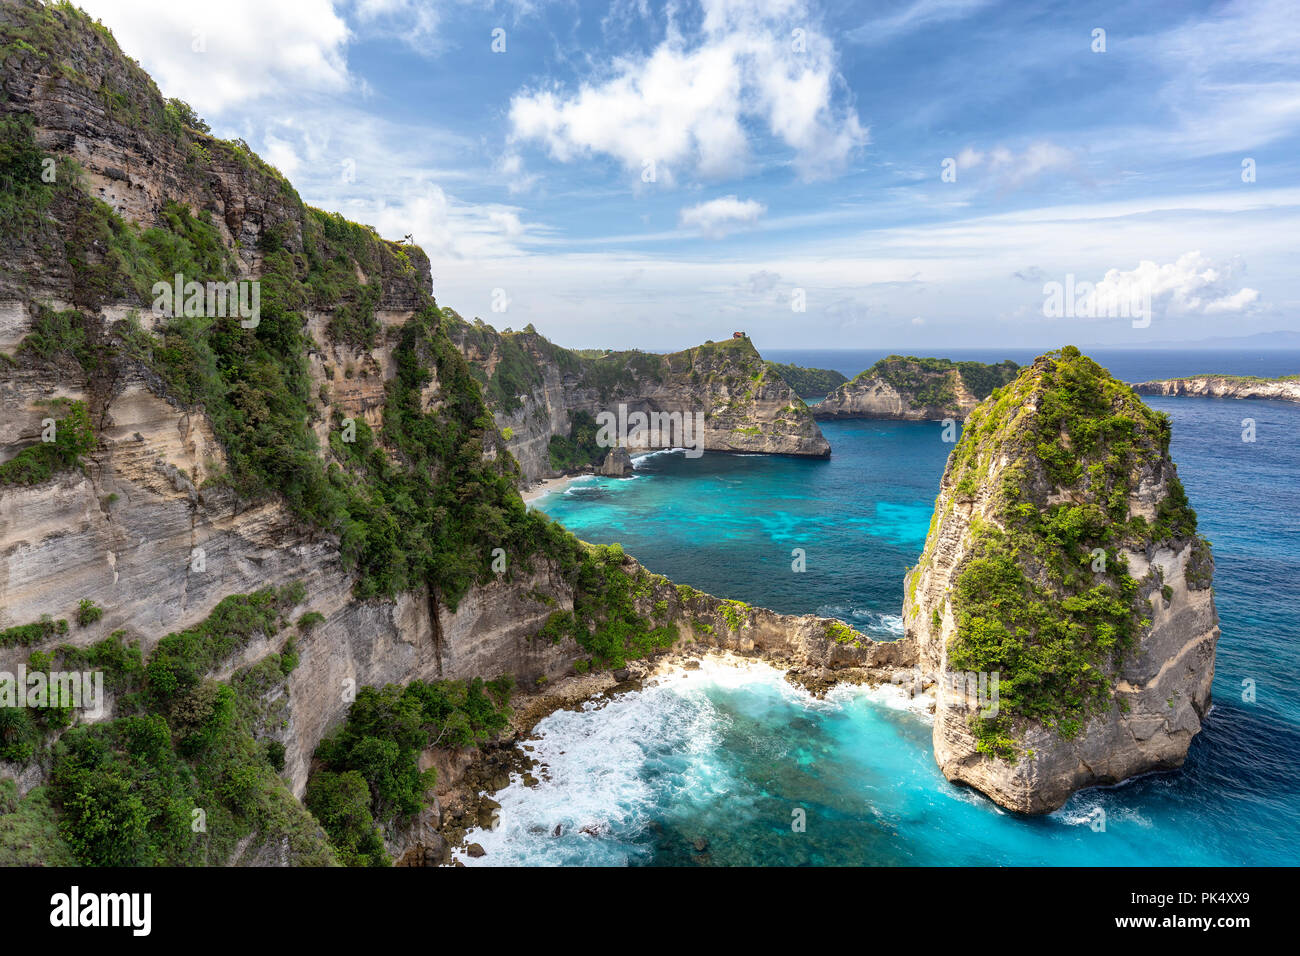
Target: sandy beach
(547, 485)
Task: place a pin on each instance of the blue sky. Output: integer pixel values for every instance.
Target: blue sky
(649, 175)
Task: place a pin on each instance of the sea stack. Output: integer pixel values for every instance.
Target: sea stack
(1064, 601)
(617, 463)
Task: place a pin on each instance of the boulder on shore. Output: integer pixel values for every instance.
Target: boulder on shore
(617, 463)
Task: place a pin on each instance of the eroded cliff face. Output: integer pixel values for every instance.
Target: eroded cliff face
(159, 520)
(914, 389)
(148, 528)
(1063, 557)
(535, 387)
(1224, 386)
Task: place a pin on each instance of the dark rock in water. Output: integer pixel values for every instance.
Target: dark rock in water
(591, 829)
(489, 813)
(559, 830)
(617, 463)
(692, 665)
(436, 851)
(475, 850)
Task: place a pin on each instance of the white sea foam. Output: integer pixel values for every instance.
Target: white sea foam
(872, 623)
(610, 769)
(639, 460)
(604, 776)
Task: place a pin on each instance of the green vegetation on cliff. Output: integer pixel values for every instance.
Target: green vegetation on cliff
(516, 360)
(401, 523)
(928, 382)
(808, 382)
(513, 358)
(72, 438)
(370, 767)
(605, 621)
(1044, 597)
(186, 768)
(422, 501)
(579, 448)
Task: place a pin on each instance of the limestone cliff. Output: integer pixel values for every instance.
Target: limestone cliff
(177, 504)
(535, 388)
(1063, 558)
(247, 523)
(915, 389)
(1225, 386)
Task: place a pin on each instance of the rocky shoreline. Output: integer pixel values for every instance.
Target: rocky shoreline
(466, 799)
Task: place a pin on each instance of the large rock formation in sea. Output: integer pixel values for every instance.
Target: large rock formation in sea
(915, 389)
(535, 388)
(1063, 557)
(1225, 386)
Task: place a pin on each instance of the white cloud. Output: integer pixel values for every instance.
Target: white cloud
(413, 22)
(281, 154)
(250, 48)
(1233, 76)
(1191, 285)
(1011, 169)
(763, 282)
(445, 227)
(511, 167)
(717, 217)
(914, 16)
(690, 107)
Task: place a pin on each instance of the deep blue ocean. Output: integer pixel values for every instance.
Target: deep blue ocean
(713, 766)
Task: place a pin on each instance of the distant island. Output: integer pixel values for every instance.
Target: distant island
(916, 389)
(1286, 389)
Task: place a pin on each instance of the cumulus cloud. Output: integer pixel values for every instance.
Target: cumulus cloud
(1191, 285)
(217, 55)
(691, 105)
(717, 217)
(443, 226)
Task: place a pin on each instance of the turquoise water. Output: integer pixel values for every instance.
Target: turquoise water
(727, 756)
